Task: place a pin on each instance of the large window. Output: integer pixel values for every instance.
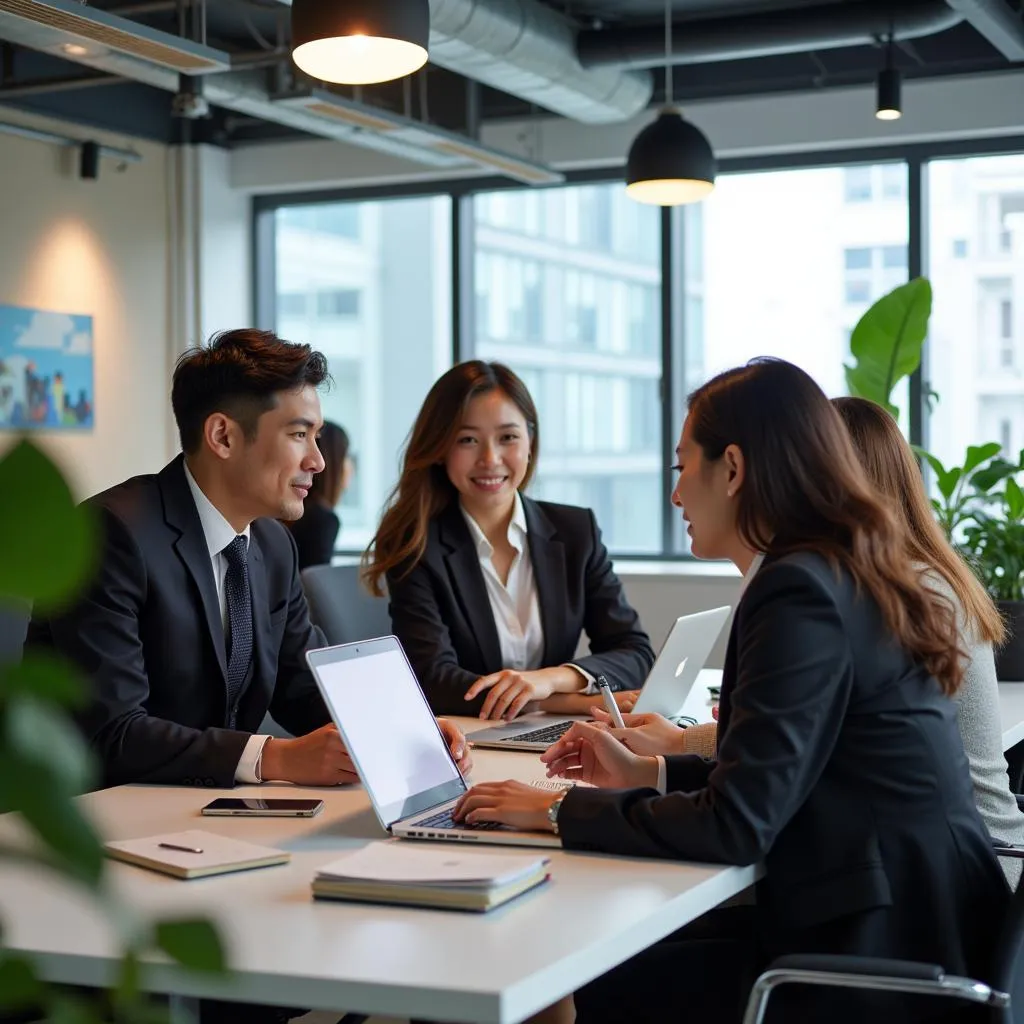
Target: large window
(570, 299)
(789, 260)
(565, 284)
(369, 284)
(976, 358)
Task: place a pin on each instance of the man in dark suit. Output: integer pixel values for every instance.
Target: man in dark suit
(196, 624)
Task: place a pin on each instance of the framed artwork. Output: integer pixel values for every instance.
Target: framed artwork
(46, 370)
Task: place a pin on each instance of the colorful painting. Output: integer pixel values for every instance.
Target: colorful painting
(46, 370)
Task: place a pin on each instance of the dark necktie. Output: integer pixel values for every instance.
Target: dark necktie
(239, 602)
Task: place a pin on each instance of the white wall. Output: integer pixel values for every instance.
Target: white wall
(96, 248)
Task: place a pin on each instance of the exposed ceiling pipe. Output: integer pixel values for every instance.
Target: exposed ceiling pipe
(997, 22)
(765, 34)
(528, 49)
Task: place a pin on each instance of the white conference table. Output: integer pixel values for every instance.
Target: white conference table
(285, 949)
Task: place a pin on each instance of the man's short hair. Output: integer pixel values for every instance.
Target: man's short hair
(239, 374)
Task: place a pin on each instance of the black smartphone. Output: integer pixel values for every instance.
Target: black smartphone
(260, 808)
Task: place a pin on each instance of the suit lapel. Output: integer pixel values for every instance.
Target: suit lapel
(467, 583)
(181, 515)
(547, 553)
(260, 603)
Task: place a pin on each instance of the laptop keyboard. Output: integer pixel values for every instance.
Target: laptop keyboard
(547, 734)
(443, 819)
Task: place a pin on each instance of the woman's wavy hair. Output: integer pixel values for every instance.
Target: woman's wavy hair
(891, 467)
(804, 490)
(424, 489)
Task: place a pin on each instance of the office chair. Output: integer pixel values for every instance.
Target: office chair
(341, 606)
(1002, 991)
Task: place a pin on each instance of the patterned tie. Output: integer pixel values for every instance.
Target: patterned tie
(239, 601)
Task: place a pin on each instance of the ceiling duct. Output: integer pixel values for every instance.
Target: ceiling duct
(51, 25)
(827, 26)
(528, 49)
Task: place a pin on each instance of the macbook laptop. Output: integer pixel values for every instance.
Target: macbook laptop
(399, 752)
(665, 690)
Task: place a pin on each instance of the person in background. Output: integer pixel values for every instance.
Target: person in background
(317, 530)
(840, 765)
(490, 590)
(893, 470)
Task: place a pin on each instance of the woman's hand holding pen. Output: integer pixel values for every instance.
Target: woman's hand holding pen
(645, 734)
(588, 753)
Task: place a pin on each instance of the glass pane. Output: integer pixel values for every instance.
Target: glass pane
(976, 265)
(790, 261)
(573, 306)
(369, 284)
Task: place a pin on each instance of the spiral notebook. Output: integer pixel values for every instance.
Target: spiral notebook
(194, 854)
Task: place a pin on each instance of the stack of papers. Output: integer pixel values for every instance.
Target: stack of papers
(194, 854)
(416, 874)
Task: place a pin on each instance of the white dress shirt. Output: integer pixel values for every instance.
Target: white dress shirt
(514, 604)
(747, 577)
(219, 533)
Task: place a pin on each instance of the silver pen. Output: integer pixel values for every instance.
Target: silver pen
(183, 849)
(609, 702)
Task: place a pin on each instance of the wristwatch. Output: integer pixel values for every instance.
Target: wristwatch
(553, 809)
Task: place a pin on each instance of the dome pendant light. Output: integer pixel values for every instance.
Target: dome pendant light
(359, 42)
(671, 161)
(888, 105)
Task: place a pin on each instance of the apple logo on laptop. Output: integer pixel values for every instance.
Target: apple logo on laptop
(682, 666)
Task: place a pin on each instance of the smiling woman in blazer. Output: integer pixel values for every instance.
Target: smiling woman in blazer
(491, 590)
(840, 765)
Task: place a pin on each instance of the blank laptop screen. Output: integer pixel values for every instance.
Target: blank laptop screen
(388, 728)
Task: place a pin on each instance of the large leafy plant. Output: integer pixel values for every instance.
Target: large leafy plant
(981, 508)
(47, 551)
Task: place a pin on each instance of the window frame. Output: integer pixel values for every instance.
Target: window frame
(916, 157)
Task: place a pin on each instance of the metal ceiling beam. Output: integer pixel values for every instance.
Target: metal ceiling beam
(997, 22)
(65, 83)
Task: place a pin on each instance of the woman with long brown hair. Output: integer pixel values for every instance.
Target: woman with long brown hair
(840, 765)
(892, 469)
(490, 590)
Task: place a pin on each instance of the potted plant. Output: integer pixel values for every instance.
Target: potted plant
(980, 504)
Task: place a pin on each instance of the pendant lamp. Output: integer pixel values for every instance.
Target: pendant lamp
(888, 89)
(671, 161)
(359, 42)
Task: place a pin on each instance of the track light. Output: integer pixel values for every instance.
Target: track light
(671, 161)
(887, 107)
(359, 42)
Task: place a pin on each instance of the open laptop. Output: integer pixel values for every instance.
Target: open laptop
(399, 752)
(665, 690)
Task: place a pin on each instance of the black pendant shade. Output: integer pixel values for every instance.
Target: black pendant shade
(670, 162)
(888, 108)
(358, 42)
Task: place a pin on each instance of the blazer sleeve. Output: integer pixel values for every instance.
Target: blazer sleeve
(793, 683)
(416, 620)
(296, 703)
(619, 648)
(101, 636)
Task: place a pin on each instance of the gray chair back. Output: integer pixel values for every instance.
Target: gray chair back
(14, 619)
(341, 606)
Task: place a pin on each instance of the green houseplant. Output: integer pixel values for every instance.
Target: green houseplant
(47, 551)
(980, 504)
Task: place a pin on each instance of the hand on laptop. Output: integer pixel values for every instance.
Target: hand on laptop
(456, 744)
(510, 690)
(587, 753)
(511, 803)
(645, 734)
(317, 759)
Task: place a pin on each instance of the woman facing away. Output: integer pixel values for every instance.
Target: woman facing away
(317, 530)
(892, 471)
(840, 764)
(490, 590)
